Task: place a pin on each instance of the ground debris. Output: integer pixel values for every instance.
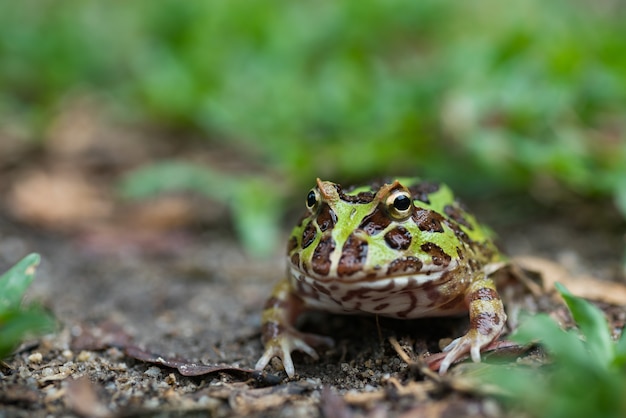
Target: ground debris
(193, 369)
(587, 287)
(20, 395)
(99, 336)
(82, 398)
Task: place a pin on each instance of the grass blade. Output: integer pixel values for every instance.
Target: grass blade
(592, 325)
(13, 283)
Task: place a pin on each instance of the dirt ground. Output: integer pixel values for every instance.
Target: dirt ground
(165, 322)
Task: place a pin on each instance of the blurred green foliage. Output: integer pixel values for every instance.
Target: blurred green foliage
(588, 376)
(16, 320)
(255, 207)
(472, 93)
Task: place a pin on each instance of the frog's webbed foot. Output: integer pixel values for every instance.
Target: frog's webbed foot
(487, 319)
(285, 343)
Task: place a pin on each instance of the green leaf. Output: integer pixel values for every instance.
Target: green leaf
(620, 350)
(564, 346)
(256, 209)
(13, 283)
(592, 325)
(15, 324)
(176, 176)
(256, 203)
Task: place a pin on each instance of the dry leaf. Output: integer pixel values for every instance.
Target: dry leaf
(189, 368)
(56, 199)
(81, 397)
(99, 337)
(583, 286)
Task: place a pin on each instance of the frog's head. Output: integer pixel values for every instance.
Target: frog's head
(383, 229)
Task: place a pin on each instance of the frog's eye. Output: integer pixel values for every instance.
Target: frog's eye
(399, 204)
(312, 200)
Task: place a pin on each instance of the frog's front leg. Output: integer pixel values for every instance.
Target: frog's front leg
(278, 333)
(487, 320)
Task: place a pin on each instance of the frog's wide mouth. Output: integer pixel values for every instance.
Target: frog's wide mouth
(429, 273)
(406, 296)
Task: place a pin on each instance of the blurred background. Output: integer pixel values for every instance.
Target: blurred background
(162, 114)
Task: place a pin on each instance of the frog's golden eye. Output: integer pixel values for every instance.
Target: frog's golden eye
(399, 204)
(312, 200)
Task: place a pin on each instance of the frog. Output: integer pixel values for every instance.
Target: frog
(401, 248)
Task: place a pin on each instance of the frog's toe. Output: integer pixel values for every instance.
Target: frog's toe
(283, 345)
(459, 347)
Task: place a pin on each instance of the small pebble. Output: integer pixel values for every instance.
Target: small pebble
(83, 356)
(35, 358)
(48, 371)
(151, 403)
(153, 372)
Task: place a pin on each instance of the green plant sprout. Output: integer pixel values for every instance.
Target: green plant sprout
(16, 320)
(587, 375)
(254, 202)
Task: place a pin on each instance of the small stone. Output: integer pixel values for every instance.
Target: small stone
(68, 354)
(170, 379)
(153, 372)
(83, 356)
(151, 403)
(48, 371)
(35, 358)
(208, 402)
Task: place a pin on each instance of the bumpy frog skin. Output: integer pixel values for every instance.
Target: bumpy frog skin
(402, 249)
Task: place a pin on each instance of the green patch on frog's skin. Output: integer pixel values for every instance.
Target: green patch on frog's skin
(401, 248)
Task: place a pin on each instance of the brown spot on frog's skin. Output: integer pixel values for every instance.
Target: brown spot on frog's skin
(308, 235)
(326, 219)
(484, 294)
(321, 288)
(405, 265)
(420, 191)
(295, 259)
(353, 256)
(361, 197)
(456, 214)
(356, 293)
(321, 256)
(292, 244)
(376, 221)
(412, 305)
(458, 232)
(398, 238)
(380, 307)
(440, 258)
(432, 292)
(484, 322)
(270, 329)
(428, 220)
(474, 265)
(274, 302)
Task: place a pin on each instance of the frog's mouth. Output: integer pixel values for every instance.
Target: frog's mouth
(398, 273)
(402, 296)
